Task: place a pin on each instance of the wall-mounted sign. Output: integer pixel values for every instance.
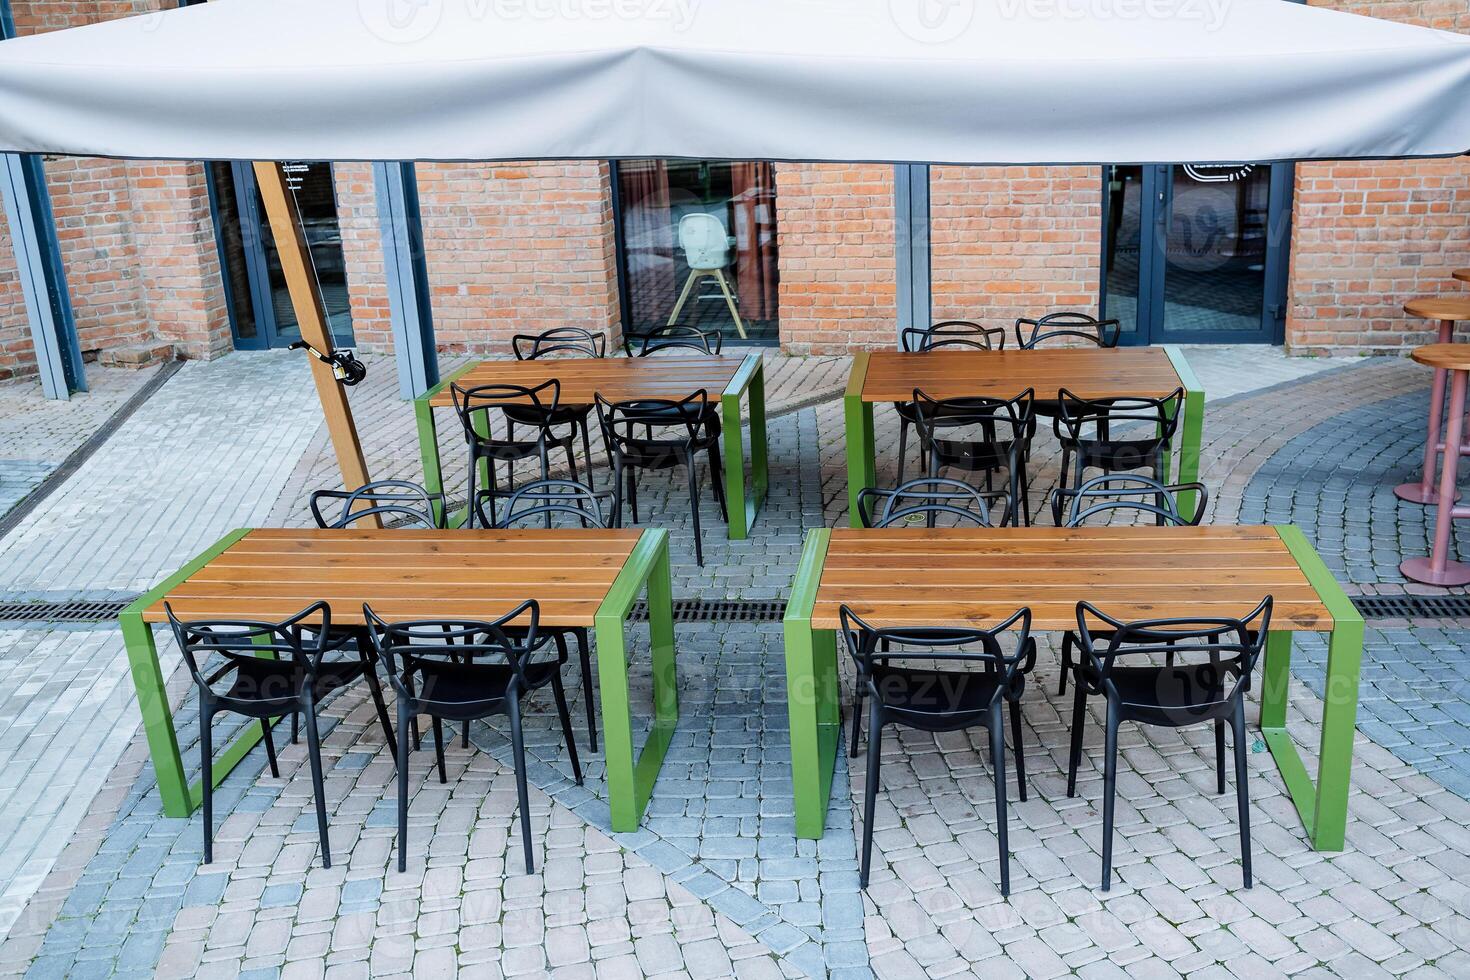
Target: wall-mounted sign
(1218, 173)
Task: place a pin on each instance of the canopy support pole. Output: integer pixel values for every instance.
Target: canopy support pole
(311, 316)
(911, 245)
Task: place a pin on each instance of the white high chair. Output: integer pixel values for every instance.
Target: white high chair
(706, 247)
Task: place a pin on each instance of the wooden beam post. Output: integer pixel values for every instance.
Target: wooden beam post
(311, 316)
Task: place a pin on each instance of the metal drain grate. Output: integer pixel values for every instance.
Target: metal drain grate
(71, 611)
(720, 610)
(1413, 606)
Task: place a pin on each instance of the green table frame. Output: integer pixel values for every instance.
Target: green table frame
(862, 465)
(630, 779)
(813, 700)
(744, 494)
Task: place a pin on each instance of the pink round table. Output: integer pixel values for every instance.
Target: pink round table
(1446, 310)
(1452, 360)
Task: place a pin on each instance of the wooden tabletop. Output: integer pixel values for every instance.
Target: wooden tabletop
(615, 378)
(1439, 307)
(980, 576)
(1453, 357)
(274, 573)
(1462, 274)
(1087, 372)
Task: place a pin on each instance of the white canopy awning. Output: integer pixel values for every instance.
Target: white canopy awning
(962, 81)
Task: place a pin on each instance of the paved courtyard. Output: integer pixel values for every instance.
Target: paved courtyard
(95, 881)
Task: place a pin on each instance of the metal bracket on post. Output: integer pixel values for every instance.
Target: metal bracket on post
(911, 233)
(407, 277)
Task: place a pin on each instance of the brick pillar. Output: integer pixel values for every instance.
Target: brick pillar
(835, 228)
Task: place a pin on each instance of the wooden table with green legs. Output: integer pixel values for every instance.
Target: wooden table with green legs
(729, 380)
(580, 578)
(973, 576)
(1088, 372)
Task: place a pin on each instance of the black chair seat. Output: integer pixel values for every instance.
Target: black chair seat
(974, 457)
(262, 687)
(561, 415)
(462, 692)
(1107, 454)
(936, 700)
(1171, 695)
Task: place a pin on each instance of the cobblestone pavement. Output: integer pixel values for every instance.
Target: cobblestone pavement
(37, 434)
(715, 884)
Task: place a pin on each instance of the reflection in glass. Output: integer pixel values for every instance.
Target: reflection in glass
(699, 245)
(232, 251)
(316, 200)
(1121, 248)
(1215, 276)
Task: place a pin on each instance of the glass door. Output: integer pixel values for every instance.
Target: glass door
(260, 305)
(1196, 253)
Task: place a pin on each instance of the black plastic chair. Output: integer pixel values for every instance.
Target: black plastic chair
(560, 498)
(1089, 433)
(678, 337)
(945, 334)
(1135, 496)
(464, 671)
(557, 342)
(688, 421)
(1067, 328)
(476, 408)
(980, 435)
(274, 670)
(408, 504)
(1214, 658)
(935, 699)
(929, 496)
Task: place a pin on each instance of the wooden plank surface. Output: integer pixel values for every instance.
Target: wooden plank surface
(979, 576)
(1087, 372)
(616, 378)
(273, 573)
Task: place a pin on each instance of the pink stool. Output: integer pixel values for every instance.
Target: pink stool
(1452, 360)
(1446, 310)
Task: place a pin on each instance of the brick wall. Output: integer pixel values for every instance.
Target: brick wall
(1367, 236)
(1008, 242)
(835, 237)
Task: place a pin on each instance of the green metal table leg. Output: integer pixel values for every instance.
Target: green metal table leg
(858, 418)
(1323, 806)
(179, 799)
(629, 783)
(811, 693)
(749, 380)
(1192, 436)
(429, 439)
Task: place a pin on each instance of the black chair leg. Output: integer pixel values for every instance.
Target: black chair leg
(1018, 749)
(1242, 791)
(870, 789)
(439, 748)
(694, 509)
(615, 518)
(376, 689)
(403, 726)
(857, 720)
(1110, 792)
(633, 492)
(270, 746)
(587, 452)
(1066, 663)
(565, 714)
(1079, 715)
(518, 748)
(998, 763)
(295, 727)
(903, 443)
(717, 477)
(318, 788)
(585, 655)
(206, 776)
(1219, 755)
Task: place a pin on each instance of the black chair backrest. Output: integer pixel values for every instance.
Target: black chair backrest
(574, 341)
(678, 337)
(1230, 646)
(441, 650)
(409, 502)
(1068, 327)
(545, 497)
(956, 425)
(1158, 416)
(302, 640)
(475, 405)
(951, 333)
(690, 413)
(873, 647)
(1113, 492)
(930, 496)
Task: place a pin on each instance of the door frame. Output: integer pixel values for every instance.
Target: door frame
(1157, 201)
